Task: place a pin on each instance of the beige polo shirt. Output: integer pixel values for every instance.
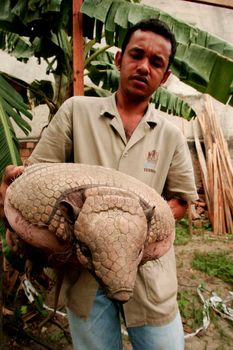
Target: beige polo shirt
(89, 130)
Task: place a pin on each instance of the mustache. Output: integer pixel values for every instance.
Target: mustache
(140, 77)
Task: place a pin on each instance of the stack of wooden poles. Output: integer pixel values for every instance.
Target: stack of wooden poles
(216, 170)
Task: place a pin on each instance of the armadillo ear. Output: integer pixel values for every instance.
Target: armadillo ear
(69, 211)
(149, 212)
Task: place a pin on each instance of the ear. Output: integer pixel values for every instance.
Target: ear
(69, 211)
(166, 76)
(118, 59)
(149, 212)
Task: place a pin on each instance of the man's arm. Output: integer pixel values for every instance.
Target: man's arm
(180, 186)
(178, 208)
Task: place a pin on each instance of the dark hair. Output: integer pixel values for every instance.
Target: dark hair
(156, 26)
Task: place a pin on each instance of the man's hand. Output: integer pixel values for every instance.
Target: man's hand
(178, 208)
(11, 172)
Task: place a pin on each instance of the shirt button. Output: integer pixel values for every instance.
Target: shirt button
(125, 154)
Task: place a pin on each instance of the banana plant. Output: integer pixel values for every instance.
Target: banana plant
(202, 61)
(12, 109)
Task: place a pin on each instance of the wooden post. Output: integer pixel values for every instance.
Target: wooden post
(78, 49)
(221, 3)
(190, 218)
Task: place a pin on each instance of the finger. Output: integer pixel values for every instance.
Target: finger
(11, 172)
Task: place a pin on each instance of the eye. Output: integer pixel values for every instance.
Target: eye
(136, 56)
(85, 250)
(140, 252)
(156, 63)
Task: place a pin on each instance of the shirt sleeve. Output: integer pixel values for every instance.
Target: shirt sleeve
(180, 182)
(56, 144)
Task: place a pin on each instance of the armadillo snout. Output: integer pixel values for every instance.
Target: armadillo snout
(114, 229)
(122, 296)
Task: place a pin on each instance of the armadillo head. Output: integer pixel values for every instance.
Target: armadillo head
(111, 231)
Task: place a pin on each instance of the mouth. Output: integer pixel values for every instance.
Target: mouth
(140, 79)
(121, 295)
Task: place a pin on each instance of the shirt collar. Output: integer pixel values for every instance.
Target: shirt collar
(109, 110)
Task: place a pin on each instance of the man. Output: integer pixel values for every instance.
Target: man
(124, 132)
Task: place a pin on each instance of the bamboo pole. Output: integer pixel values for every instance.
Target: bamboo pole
(78, 49)
(216, 171)
(203, 167)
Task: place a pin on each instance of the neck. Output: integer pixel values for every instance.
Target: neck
(131, 112)
(131, 106)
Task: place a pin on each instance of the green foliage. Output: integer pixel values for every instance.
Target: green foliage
(12, 108)
(17, 46)
(13, 105)
(16, 261)
(41, 22)
(207, 226)
(41, 91)
(182, 233)
(102, 71)
(191, 309)
(56, 336)
(8, 142)
(172, 104)
(26, 308)
(23, 310)
(215, 264)
(41, 29)
(39, 301)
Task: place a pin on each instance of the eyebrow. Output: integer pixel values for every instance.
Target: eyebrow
(137, 49)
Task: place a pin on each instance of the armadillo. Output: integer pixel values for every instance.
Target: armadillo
(105, 220)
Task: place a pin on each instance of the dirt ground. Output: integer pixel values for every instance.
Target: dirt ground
(218, 336)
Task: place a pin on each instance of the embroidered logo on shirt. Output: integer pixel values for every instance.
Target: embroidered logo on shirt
(151, 161)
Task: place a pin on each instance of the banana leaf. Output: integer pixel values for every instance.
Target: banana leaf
(170, 103)
(45, 26)
(203, 61)
(11, 108)
(13, 105)
(9, 154)
(9, 147)
(212, 75)
(17, 46)
(29, 14)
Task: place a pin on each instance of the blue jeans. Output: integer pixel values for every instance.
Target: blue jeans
(102, 330)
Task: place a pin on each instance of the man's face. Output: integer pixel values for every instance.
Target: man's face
(143, 65)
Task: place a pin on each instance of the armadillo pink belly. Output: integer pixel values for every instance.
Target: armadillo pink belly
(36, 236)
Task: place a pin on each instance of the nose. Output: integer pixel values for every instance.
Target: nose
(143, 66)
